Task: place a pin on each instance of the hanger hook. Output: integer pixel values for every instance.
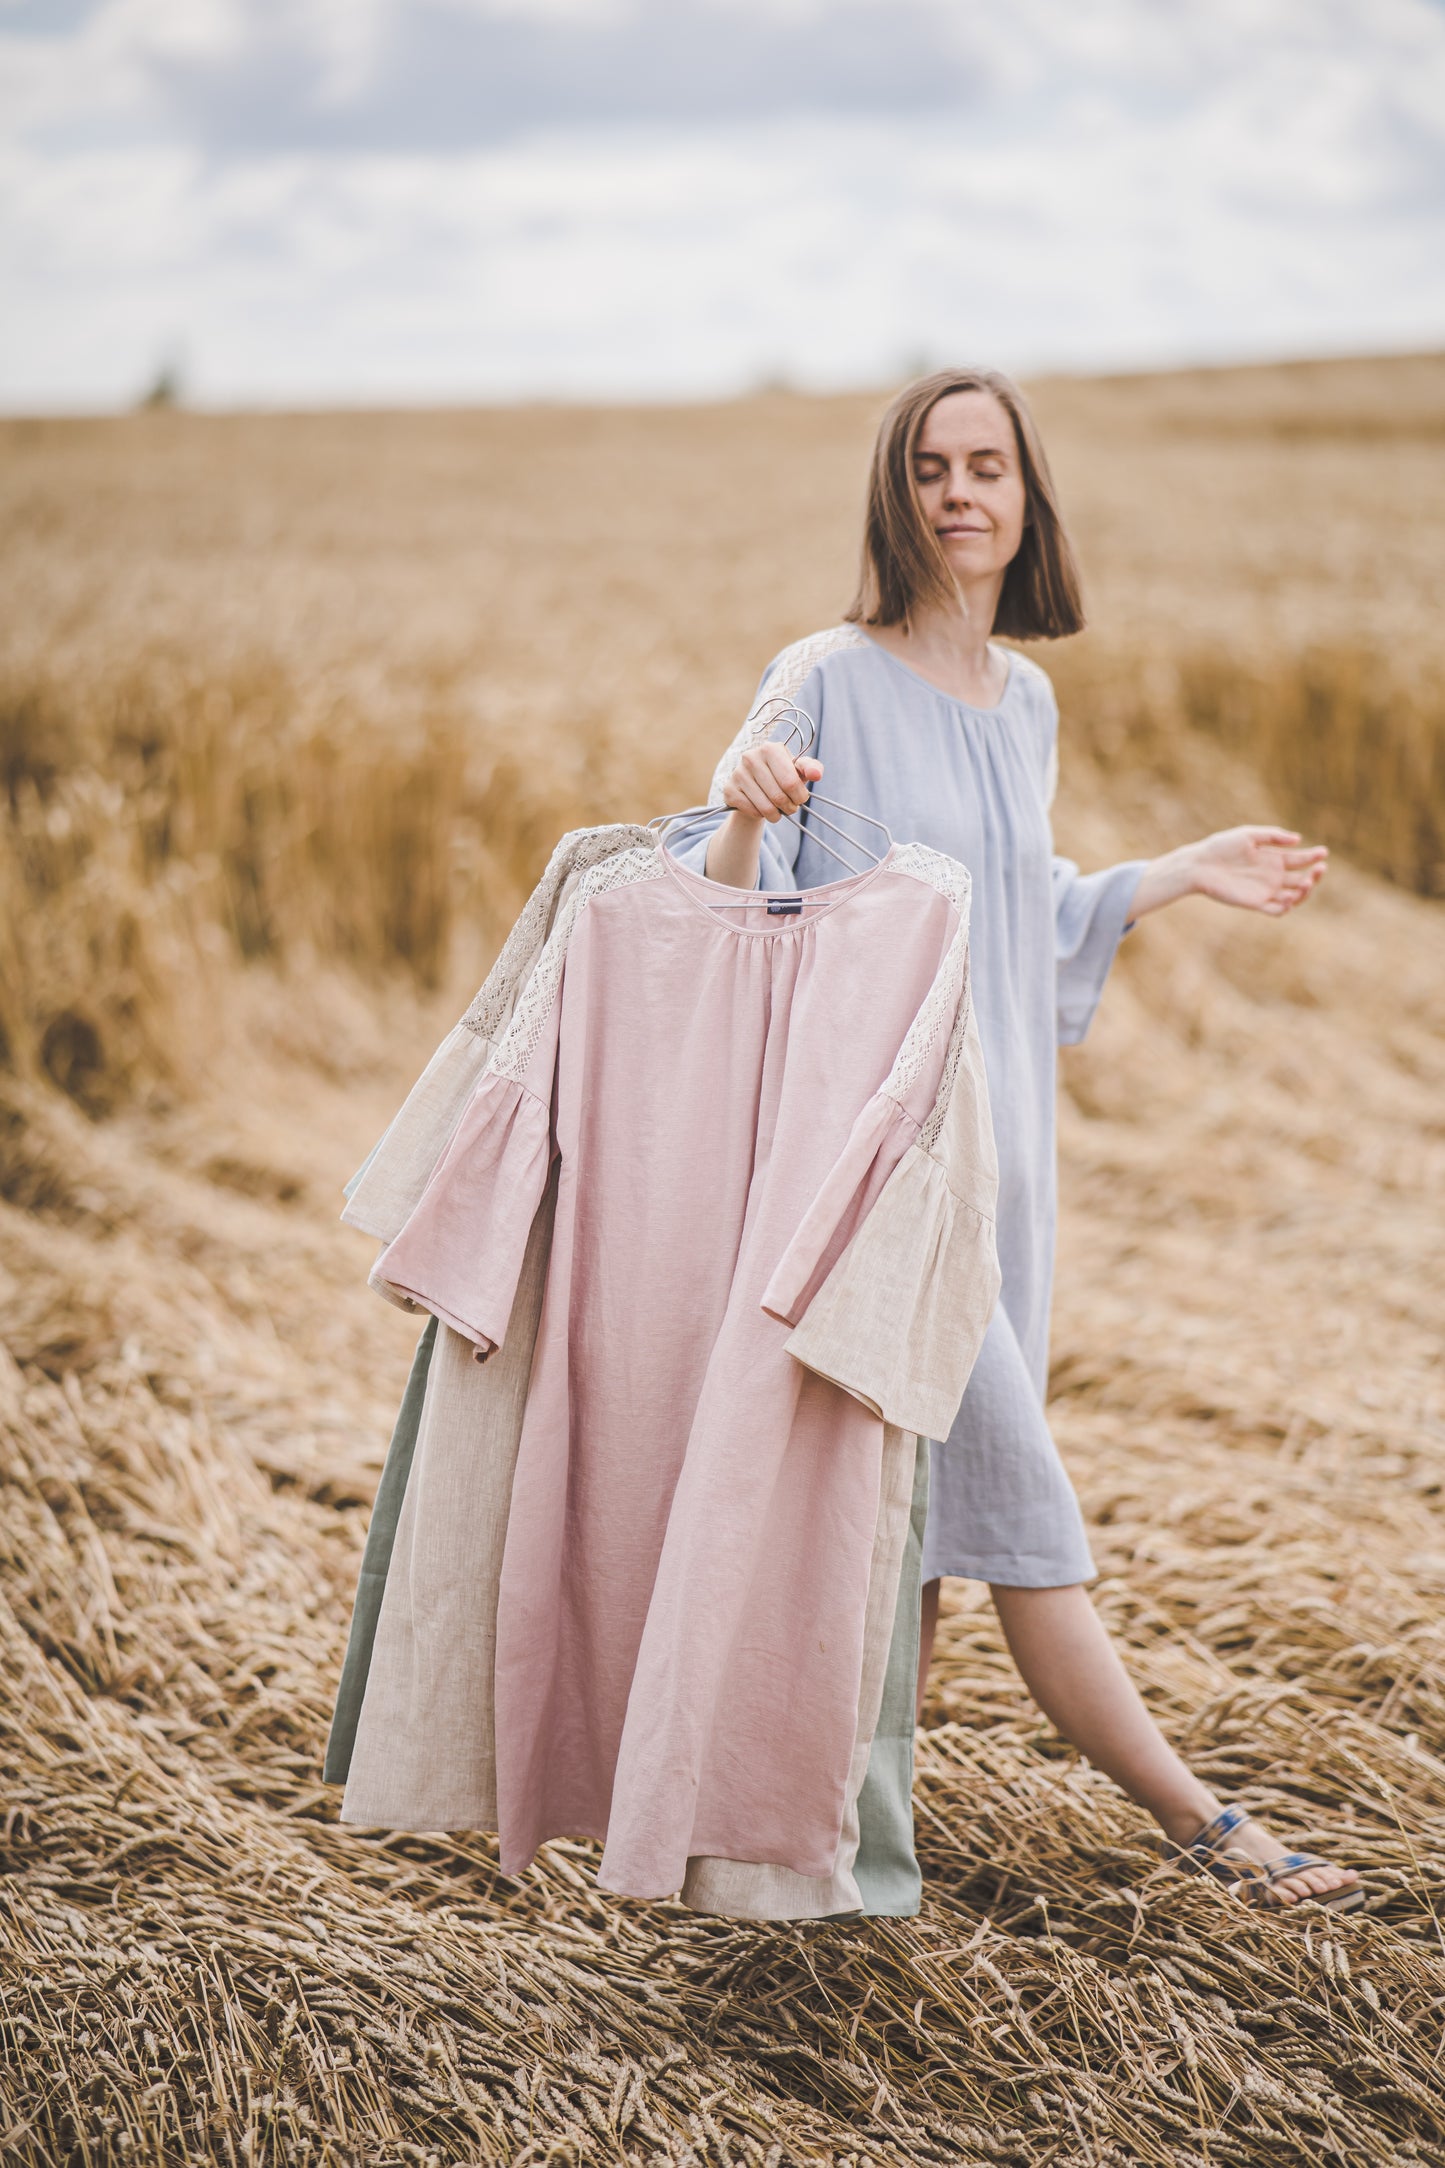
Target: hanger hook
(793, 719)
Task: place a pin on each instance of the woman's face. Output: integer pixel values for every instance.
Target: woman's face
(970, 483)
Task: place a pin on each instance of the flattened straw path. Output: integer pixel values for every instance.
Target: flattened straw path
(200, 1965)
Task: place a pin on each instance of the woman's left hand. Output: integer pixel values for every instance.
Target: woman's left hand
(1256, 869)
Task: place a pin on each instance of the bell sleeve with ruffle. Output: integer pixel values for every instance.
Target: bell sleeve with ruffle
(460, 1252)
(892, 1275)
(1091, 918)
(387, 1186)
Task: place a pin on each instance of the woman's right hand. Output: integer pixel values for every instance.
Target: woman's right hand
(766, 783)
(769, 782)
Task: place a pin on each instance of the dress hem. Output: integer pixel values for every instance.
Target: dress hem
(1010, 1572)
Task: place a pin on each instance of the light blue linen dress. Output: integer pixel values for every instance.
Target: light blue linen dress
(976, 783)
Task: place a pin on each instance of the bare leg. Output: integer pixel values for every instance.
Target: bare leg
(928, 1627)
(1072, 1669)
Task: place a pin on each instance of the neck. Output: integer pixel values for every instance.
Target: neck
(948, 645)
(958, 630)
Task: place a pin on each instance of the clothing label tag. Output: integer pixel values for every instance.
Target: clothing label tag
(785, 906)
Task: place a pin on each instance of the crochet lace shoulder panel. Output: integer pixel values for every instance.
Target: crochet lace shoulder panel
(939, 870)
(523, 1034)
(946, 1004)
(578, 849)
(784, 681)
(1034, 675)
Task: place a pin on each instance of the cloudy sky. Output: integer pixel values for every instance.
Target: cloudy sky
(354, 200)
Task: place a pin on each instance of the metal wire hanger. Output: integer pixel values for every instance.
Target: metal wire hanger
(797, 724)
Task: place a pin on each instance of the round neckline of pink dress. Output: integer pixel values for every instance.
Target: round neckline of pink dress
(706, 896)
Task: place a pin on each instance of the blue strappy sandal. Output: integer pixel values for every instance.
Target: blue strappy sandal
(1209, 1852)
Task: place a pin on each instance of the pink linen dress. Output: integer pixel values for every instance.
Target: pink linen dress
(682, 1594)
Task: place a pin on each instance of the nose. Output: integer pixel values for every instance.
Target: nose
(956, 492)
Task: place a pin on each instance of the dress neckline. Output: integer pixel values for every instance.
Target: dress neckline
(969, 706)
(706, 896)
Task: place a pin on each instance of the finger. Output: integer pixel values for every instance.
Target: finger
(776, 773)
(753, 792)
(744, 796)
(790, 774)
(784, 760)
(1273, 835)
(767, 786)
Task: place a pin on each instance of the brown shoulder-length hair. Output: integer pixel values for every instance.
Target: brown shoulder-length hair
(904, 567)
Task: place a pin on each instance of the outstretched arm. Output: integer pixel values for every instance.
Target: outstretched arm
(1256, 869)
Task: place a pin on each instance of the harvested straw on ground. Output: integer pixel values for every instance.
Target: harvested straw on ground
(260, 843)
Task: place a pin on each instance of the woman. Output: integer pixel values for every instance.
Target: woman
(950, 741)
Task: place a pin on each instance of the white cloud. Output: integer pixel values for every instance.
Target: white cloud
(1135, 181)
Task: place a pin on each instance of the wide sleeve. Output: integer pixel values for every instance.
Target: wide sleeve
(881, 1136)
(386, 1187)
(1091, 917)
(892, 1276)
(460, 1252)
(1091, 910)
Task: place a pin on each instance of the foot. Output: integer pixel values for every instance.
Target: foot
(1254, 1843)
(1257, 1844)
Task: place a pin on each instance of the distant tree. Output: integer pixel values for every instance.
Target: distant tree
(167, 387)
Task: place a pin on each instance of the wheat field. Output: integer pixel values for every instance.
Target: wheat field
(291, 710)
